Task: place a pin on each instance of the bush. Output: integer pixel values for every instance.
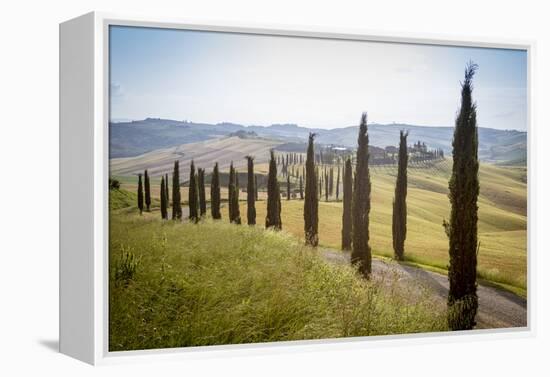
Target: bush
(114, 184)
(125, 267)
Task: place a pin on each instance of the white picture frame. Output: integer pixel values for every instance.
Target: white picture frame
(84, 119)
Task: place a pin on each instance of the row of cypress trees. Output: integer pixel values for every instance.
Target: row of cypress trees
(463, 193)
(197, 193)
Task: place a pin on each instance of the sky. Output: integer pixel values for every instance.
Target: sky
(214, 77)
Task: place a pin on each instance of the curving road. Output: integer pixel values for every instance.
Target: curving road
(497, 308)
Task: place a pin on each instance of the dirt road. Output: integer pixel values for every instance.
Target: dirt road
(497, 308)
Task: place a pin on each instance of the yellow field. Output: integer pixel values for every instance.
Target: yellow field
(502, 220)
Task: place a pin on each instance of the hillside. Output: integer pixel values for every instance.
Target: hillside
(204, 153)
(502, 217)
(129, 139)
(180, 284)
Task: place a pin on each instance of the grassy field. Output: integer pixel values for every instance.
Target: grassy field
(502, 218)
(180, 284)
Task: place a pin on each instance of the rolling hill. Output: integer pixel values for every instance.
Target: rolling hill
(205, 154)
(129, 139)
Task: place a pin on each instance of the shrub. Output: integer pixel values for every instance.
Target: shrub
(125, 267)
(114, 184)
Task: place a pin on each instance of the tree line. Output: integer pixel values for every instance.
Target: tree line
(461, 228)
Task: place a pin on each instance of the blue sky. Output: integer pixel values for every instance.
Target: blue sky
(252, 79)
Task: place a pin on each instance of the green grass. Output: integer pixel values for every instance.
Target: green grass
(179, 284)
(121, 198)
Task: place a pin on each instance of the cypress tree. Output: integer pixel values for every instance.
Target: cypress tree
(167, 190)
(301, 188)
(147, 191)
(331, 181)
(176, 194)
(230, 193)
(321, 174)
(338, 182)
(233, 199)
(140, 195)
(462, 228)
(255, 187)
(311, 202)
(251, 194)
(163, 211)
(326, 186)
(215, 196)
(202, 193)
(236, 194)
(361, 252)
(273, 217)
(347, 219)
(288, 188)
(193, 194)
(399, 220)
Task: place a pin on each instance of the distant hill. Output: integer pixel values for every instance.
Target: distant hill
(134, 138)
(205, 154)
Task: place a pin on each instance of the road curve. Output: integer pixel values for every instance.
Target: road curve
(497, 308)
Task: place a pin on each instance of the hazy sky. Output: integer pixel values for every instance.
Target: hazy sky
(251, 79)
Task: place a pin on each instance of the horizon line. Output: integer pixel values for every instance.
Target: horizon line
(128, 120)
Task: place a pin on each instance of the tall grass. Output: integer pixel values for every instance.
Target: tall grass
(217, 283)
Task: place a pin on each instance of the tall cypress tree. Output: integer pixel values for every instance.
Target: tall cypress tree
(311, 201)
(236, 194)
(462, 228)
(251, 192)
(331, 181)
(255, 187)
(193, 194)
(326, 185)
(399, 220)
(301, 188)
(273, 217)
(321, 175)
(230, 193)
(140, 194)
(215, 195)
(163, 211)
(147, 191)
(347, 219)
(233, 197)
(202, 193)
(176, 194)
(166, 192)
(288, 187)
(167, 189)
(360, 251)
(338, 182)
